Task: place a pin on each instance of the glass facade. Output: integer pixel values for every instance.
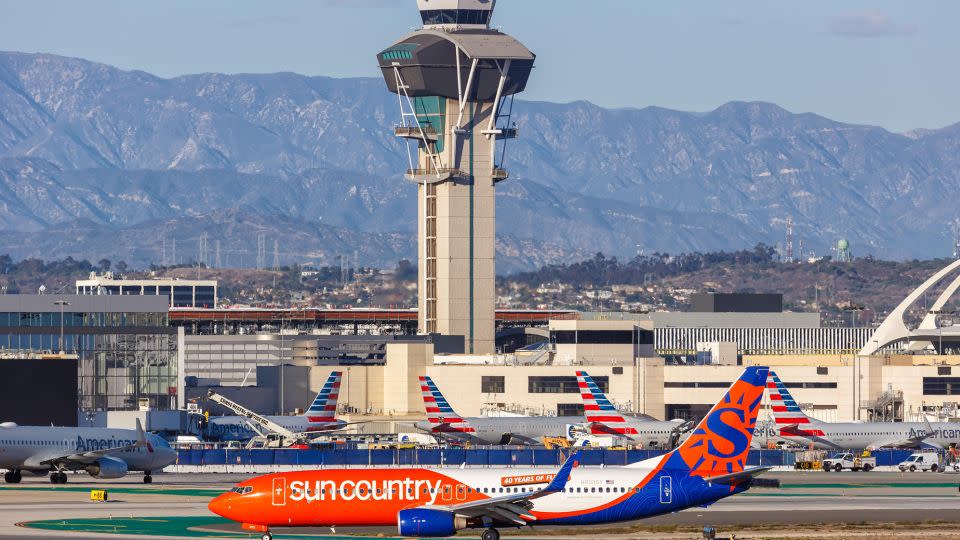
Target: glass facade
(179, 293)
(455, 16)
(126, 351)
(941, 386)
(570, 409)
(492, 384)
(562, 385)
(602, 337)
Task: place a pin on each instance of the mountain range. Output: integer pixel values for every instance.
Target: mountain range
(90, 154)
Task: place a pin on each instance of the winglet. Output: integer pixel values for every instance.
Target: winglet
(559, 481)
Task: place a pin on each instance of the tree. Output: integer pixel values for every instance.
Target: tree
(104, 265)
(121, 267)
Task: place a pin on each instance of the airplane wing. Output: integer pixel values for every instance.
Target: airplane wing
(916, 441)
(86, 458)
(513, 508)
(738, 477)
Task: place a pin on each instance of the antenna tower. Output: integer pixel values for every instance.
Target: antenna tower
(261, 251)
(789, 239)
(218, 263)
(276, 255)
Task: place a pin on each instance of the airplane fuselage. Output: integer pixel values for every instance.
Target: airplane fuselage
(27, 447)
(857, 436)
(373, 497)
(236, 428)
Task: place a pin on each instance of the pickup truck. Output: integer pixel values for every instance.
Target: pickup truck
(839, 462)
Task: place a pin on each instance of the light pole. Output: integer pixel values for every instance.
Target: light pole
(62, 304)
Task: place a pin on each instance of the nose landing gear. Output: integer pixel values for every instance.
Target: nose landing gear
(58, 477)
(13, 477)
(147, 478)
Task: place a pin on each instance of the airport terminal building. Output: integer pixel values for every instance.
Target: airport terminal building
(125, 350)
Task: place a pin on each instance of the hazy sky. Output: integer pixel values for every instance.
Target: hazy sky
(887, 62)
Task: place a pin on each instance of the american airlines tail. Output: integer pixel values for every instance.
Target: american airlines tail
(602, 416)
(440, 414)
(787, 415)
(323, 410)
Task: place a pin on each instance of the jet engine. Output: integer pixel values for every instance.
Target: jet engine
(108, 467)
(423, 522)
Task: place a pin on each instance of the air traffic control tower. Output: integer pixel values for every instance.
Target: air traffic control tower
(455, 79)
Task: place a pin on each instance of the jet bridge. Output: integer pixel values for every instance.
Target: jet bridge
(269, 430)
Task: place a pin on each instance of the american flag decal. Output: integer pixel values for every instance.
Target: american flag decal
(786, 412)
(598, 409)
(440, 414)
(323, 410)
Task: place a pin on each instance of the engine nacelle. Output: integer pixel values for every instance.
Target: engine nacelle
(108, 467)
(421, 522)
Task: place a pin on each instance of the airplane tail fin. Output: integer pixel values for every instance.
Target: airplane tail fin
(323, 410)
(718, 446)
(602, 416)
(439, 412)
(787, 414)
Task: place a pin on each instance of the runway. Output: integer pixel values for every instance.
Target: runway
(815, 502)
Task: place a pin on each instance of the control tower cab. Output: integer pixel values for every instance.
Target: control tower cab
(448, 14)
(456, 78)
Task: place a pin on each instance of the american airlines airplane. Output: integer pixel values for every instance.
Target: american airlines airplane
(319, 418)
(103, 453)
(797, 427)
(442, 421)
(604, 419)
(707, 467)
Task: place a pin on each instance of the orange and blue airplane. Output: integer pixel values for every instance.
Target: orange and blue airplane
(708, 466)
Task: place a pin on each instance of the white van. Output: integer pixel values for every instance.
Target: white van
(925, 461)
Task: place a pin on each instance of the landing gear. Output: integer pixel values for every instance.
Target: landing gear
(13, 477)
(58, 477)
(490, 534)
(266, 536)
(147, 479)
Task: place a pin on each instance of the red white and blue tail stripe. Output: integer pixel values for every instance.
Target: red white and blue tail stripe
(440, 414)
(323, 410)
(787, 415)
(601, 414)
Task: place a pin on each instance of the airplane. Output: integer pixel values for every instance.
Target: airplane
(319, 418)
(794, 425)
(103, 453)
(708, 466)
(443, 422)
(604, 419)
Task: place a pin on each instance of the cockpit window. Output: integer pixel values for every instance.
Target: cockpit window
(242, 490)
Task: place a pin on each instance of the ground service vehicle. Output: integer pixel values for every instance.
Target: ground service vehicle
(707, 467)
(839, 462)
(922, 461)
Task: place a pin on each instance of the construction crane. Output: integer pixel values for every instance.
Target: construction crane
(261, 424)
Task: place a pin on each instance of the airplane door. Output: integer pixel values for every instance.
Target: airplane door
(666, 490)
(461, 493)
(279, 491)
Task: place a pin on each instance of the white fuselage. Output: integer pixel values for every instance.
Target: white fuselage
(29, 447)
(862, 435)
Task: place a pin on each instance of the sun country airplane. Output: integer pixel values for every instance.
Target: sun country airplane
(708, 466)
(604, 419)
(795, 426)
(443, 422)
(103, 453)
(319, 418)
